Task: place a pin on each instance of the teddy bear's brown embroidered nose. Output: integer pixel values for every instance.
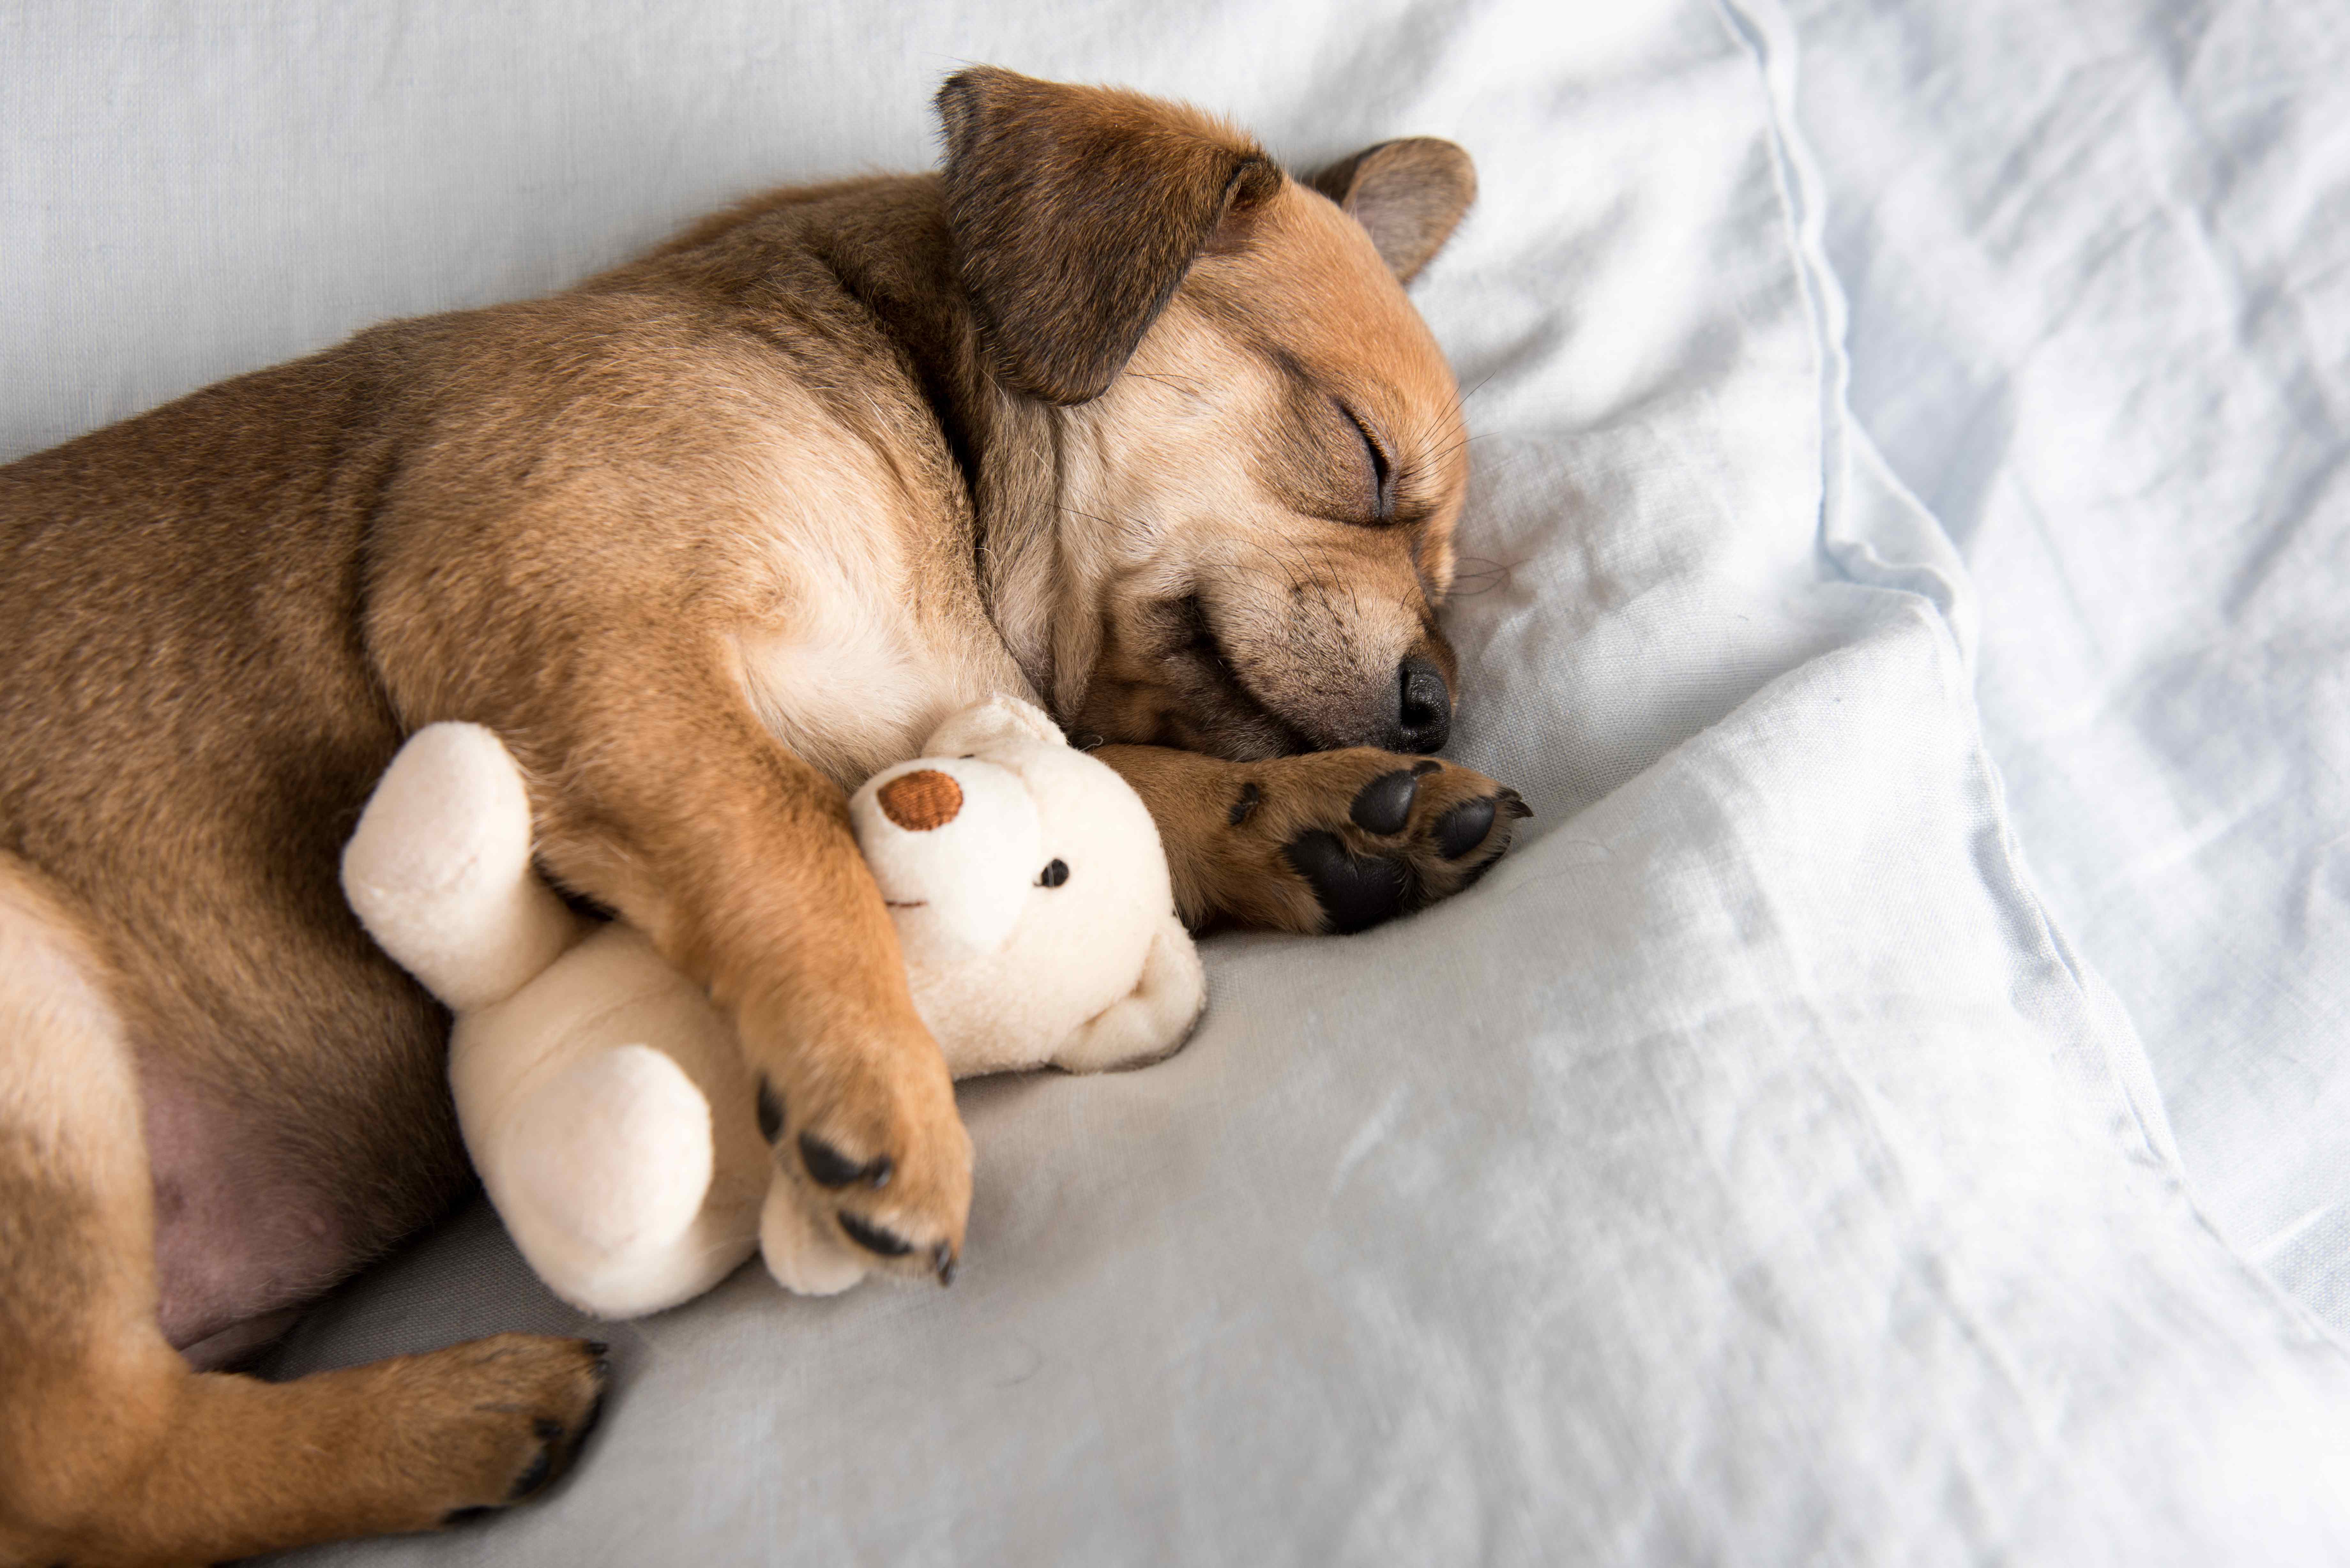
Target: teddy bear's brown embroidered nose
(922, 800)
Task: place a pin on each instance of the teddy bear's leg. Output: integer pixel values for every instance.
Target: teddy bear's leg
(609, 1112)
(614, 1152)
(439, 871)
(610, 1181)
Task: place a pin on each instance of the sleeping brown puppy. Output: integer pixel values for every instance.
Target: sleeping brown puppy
(1110, 412)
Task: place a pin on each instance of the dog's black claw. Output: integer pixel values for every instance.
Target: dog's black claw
(1356, 893)
(771, 1112)
(830, 1167)
(1516, 804)
(1384, 804)
(874, 1239)
(942, 1259)
(1464, 828)
(1250, 798)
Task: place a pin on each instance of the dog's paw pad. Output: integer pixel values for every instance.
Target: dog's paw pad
(874, 1239)
(1356, 891)
(535, 1475)
(1463, 828)
(1357, 837)
(859, 1183)
(827, 1166)
(1384, 804)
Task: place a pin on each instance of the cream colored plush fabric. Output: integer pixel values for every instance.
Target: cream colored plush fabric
(600, 1095)
(603, 1099)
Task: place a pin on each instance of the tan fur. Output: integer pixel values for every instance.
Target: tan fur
(705, 539)
(118, 1452)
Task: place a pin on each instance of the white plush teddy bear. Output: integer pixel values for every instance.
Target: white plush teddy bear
(602, 1097)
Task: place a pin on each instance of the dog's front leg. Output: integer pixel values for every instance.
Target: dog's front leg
(756, 888)
(656, 791)
(1330, 841)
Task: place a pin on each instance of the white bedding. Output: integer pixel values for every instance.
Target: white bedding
(2099, 258)
(1747, 1170)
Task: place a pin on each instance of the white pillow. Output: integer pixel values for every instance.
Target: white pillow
(2118, 367)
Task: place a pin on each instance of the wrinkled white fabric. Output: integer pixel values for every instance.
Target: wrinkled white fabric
(2099, 256)
(1746, 1171)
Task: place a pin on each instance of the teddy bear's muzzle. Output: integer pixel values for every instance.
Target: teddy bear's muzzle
(921, 801)
(954, 846)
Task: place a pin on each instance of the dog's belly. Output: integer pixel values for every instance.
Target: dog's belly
(243, 1234)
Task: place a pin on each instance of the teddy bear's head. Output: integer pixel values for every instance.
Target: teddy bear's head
(1033, 905)
(1031, 899)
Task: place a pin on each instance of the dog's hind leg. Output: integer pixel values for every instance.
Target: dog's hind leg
(112, 1448)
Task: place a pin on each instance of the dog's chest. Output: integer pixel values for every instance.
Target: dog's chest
(869, 628)
(868, 654)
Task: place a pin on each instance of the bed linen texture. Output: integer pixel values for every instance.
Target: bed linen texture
(2099, 261)
(1746, 1171)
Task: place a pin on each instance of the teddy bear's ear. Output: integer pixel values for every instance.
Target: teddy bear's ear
(987, 726)
(1150, 1022)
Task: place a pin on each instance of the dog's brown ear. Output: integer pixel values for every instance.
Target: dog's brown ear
(1410, 194)
(1076, 211)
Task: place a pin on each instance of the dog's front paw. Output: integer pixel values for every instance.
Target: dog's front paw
(870, 1152)
(1342, 841)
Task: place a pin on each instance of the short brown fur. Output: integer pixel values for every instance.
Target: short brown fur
(705, 539)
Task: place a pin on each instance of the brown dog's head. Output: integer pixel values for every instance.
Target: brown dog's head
(1257, 450)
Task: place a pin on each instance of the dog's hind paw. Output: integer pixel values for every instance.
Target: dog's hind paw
(514, 1411)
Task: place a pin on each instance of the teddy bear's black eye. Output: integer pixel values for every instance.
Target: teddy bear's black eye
(1054, 874)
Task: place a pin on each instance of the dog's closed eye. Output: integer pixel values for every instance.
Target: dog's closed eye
(1382, 468)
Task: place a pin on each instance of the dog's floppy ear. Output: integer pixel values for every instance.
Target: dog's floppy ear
(1076, 211)
(1409, 194)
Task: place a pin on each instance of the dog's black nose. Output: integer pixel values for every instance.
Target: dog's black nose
(1423, 708)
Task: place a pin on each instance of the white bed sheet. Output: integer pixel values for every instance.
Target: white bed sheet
(1745, 1171)
(2099, 255)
